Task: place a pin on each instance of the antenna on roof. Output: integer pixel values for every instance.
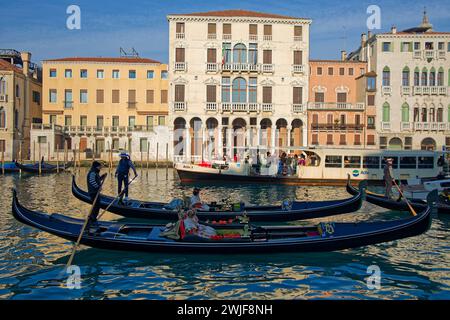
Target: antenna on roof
(133, 54)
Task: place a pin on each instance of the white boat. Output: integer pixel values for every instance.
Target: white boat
(323, 167)
(421, 191)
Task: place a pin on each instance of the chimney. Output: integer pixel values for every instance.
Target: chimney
(369, 34)
(393, 29)
(363, 39)
(26, 57)
(343, 55)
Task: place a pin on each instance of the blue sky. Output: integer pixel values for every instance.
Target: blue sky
(40, 26)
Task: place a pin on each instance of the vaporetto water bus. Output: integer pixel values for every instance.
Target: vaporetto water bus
(322, 167)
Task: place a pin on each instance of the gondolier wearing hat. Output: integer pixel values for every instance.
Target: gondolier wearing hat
(94, 183)
(388, 177)
(122, 172)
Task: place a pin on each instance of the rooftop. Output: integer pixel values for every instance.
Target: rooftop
(5, 65)
(105, 59)
(236, 13)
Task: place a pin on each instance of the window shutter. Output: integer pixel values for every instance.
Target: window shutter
(211, 28)
(267, 94)
(297, 95)
(150, 96)
(342, 97)
(298, 57)
(131, 95)
(180, 27)
(298, 31)
(100, 98)
(179, 93)
(212, 56)
(211, 93)
(253, 29)
(319, 97)
(226, 28)
(179, 55)
(115, 96)
(163, 96)
(267, 56)
(267, 30)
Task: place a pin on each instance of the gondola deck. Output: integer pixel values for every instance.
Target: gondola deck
(45, 168)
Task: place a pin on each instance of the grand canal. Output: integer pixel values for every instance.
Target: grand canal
(32, 262)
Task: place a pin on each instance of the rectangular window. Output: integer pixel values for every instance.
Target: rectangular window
(161, 120)
(100, 96)
(52, 95)
(179, 93)
(150, 74)
(352, 162)
(143, 144)
(83, 96)
(441, 46)
(179, 55)
(330, 71)
(357, 119)
(68, 101)
(42, 140)
(52, 73)
(298, 57)
(68, 121)
(342, 97)
(342, 139)
(132, 96)
(315, 138)
(211, 28)
(211, 55)
(52, 118)
(330, 139)
(115, 121)
(227, 28)
(115, 74)
(132, 74)
(333, 162)
(370, 139)
(164, 75)
(253, 53)
(371, 83)
(149, 122)
(83, 73)
(131, 121)
(226, 89)
(357, 141)
(319, 71)
(115, 96)
(416, 46)
(406, 47)
(267, 56)
(267, 30)
(211, 93)
(371, 162)
(371, 100)
(350, 71)
(150, 96)
(68, 73)
(297, 95)
(267, 94)
(115, 143)
(341, 71)
(319, 97)
(180, 27)
(386, 46)
(408, 162)
(163, 96)
(100, 74)
(83, 120)
(426, 163)
(298, 31)
(99, 122)
(2, 145)
(36, 96)
(253, 29)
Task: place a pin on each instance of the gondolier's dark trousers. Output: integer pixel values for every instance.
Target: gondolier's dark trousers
(122, 179)
(388, 192)
(95, 207)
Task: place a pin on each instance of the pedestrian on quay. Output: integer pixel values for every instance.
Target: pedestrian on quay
(388, 177)
(122, 173)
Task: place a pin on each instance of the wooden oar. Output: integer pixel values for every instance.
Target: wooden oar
(118, 196)
(407, 201)
(75, 246)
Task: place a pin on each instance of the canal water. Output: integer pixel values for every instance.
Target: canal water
(32, 262)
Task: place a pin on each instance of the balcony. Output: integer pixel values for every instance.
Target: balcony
(211, 106)
(239, 107)
(179, 35)
(212, 36)
(417, 54)
(131, 104)
(105, 130)
(431, 126)
(406, 90)
(50, 126)
(406, 126)
(298, 108)
(179, 106)
(266, 107)
(335, 106)
(3, 98)
(430, 90)
(336, 127)
(226, 36)
(180, 66)
(267, 68)
(385, 126)
(253, 37)
(68, 104)
(429, 54)
(240, 67)
(298, 68)
(442, 54)
(267, 37)
(298, 38)
(386, 90)
(212, 67)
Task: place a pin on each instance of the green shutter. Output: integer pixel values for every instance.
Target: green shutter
(392, 46)
(410, 47)
(386, 112)
(405, 112)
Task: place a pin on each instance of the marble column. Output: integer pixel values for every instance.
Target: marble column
(273, 134)
(219, 142)
(187, 145)
(288, 142)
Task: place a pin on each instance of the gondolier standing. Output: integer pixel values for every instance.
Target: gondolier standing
(122, 172)
(388, 177)
(94, 183)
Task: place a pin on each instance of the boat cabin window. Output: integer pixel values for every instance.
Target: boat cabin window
(408, 162)
(352, 162)
(371, 162)
(426, 162)
(333, 162)
(394, 162)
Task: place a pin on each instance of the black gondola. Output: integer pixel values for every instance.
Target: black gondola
(388, 203)
(147, 237)
(9, 167)
(45, 167)
(297, 210)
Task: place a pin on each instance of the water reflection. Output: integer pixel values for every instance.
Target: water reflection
(31, 262)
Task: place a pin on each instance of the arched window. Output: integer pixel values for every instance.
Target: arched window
(386, 76)
(386, 112)
(405, 77)
(239, 90)
(423, 81)
(405, 112)
(2, 118)
(432, 114)
(416, 77)
(440, 77)
(424, 114)
(240, 53)
(315, 118)
(432, 77)
(330, 118)
(440, 114)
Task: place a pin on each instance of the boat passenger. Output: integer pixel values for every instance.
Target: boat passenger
(388, 177)
(122, 172)
(268, 159)
(196, 202)
(192, 226)
(302, 160)
(94, 183)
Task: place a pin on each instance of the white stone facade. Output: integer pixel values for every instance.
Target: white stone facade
(273, 118)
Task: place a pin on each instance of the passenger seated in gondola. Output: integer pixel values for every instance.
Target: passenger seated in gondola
(192, 226)
(196, 202)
